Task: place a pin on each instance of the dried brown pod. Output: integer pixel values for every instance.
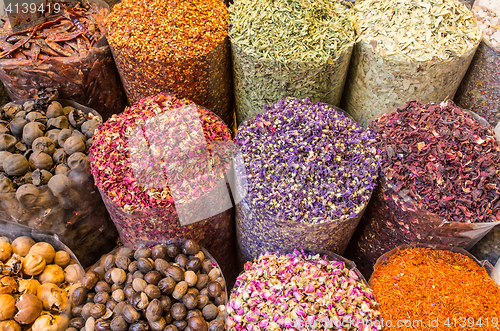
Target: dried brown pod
(31, 286)
(54, 110)
(60, 156)
(88, 128)
(6, 185)
(59, 185)
(45, 250)
(7, 306)
(3, 156)
(63, 170)
(5, 250)
(52, 297)
(9, 325)
(16, 126)
(44, 144)
(74, 273)
(53, 135)
(73, 145)
(62, 259)
(29, 308)
(7, 142)
(16, 165)
(31, 131)
(79, 162)
(60, 122)
(90, 280)
(36, 117)
(40, 160)
(77, 118)
(52, 274)
(79, 296)
(27, 194)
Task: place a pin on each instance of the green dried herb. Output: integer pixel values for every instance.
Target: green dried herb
(289, 48)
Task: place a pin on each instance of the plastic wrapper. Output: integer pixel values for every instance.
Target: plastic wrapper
(488, 248)
(484, 264)
(79, 218)
(377, 85)
(91, 79)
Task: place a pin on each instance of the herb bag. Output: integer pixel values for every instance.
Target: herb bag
(90, 79)
(377, 85)
(71, 209)
(258, 83)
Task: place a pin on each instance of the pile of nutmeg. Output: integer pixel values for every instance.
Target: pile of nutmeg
(33, 285)
(163, 288)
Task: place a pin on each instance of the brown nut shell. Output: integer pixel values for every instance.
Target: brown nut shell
(29, 308)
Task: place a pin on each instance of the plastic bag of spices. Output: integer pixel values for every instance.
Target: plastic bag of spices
(437, 183)
(295, 49)
(176, 47)
(309, 172)
(160, 168)
(480, 88)
(45, 182)
(407, 50)
(68, 52)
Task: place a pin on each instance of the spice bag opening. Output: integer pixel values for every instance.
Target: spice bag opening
(309, 57)
(401, 210)
(479, 90)
(81, 71)
(324, 275)
(387, 70)
(45, 179)
(160, 168)
(306, 181)
(157, 59)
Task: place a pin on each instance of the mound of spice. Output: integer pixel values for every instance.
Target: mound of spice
(310, 171)
(289, 48)
(440, 179)
(301, 291)
(177, 47)
(408, 50)
(151, 165)
(489, 22)
(439, 290)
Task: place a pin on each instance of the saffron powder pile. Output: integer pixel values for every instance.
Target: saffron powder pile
(423, 284)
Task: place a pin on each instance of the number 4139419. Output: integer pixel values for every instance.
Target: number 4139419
(32, 8)
(472, 322)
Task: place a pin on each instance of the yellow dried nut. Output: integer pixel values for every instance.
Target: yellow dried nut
(31, 286)
(7, 306)
(29, 308)
(62, 259)
(9, 325)
(45, 250)
(22, 245)
(52, 274)
(5, 250)
(33, 264)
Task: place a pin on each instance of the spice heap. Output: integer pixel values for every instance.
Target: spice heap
(171, 46)
(447, 289)
(301, 291)
(34, 282)
(70, 33)
(489, 22)
(165, 288)
(289, 48)
(311, 171)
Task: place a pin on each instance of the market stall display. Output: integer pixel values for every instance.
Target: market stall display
(436, 288)
(309, 172)
(36, 274)
(439, 182)
(45, 182)
(480, 88)
(176, 47)
(168, 287)
(151, 165)
(66, 51)
(303, 291)
(295, 49)
(407, 50)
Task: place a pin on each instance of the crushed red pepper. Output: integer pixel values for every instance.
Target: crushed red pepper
(442, 289)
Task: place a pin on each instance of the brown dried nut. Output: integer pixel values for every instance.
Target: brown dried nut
(181, 260)
(7, 306)
(77, 323)
(190, 301)
(88, 128)
(214, 274)
(8, 285)
(77, 310)
(161, 265)
(40, 160)
(152, 291)
(11, 108)
(194, 264)
(126, 251)
(74, 273)
(5, 250)
(45, 250)
(190, 247)
(67, 110)
(166, 285)
(36, 117)
(140, 326)
(128, 291)
(210, 312)
(89, 324)
(9, 325)
(63, 136)
(21, 114)
(154, 311)
(31, 286)
(62, 258)
(7, 142)
(44, 144)
(194, 312)
(29, 308)
(27, 178)
(197, 323)
(117, 311)
(132, 267)
(53, 135)
(153, 277)
(60, 156)
(118, 276)
(175, 272)
(214, 289)
(102, 286)
(73, 145)
(190, 278)
(202, 301)
(159, 325)
(221, 299)
(62, 169)
(140, 300)
(79, 162)
(178, 311)
(122, 262)
(31, 131)
(130, 315)
(159, 252)
(101, 297)
(77, 118)
(52, 297)
(194, 291)
(118, 295)
(173, 251)
(108, 261)
(97, 310)
(79, 296)
(180, 290)
(86, 310)
(21, 147)
(144, 265)
(16, 126)
(142, 252)
(52, 274)
(90, 279)
(118, 324)
(180, 325)
(139, 285)
(217, 325)
(6, 185)
(59, 122)
(33, 264)
(102, 325)
(27, 194)
(207, 266)
(50, 323)
(16, 165)
(59, 185)
(80, 135)
(54, 110)
(3, 156)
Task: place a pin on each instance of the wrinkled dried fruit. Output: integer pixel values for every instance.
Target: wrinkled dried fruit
(59, 185)
(73, 145)
(62, 258)
(74, 273)
(7, 306)
(79, 162)
(52, 274)
(33, 264)
(27, 194)
(54, 110)
(17, 125)
(22, 245)
(40, 160)
(60, 122)
(16, 165)
(40, 177)
(7, 142)
(9, 325)
(5, 250)
(44, 144)
(29, 308)
(31, 286)
(31, 131)
(45, 250)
